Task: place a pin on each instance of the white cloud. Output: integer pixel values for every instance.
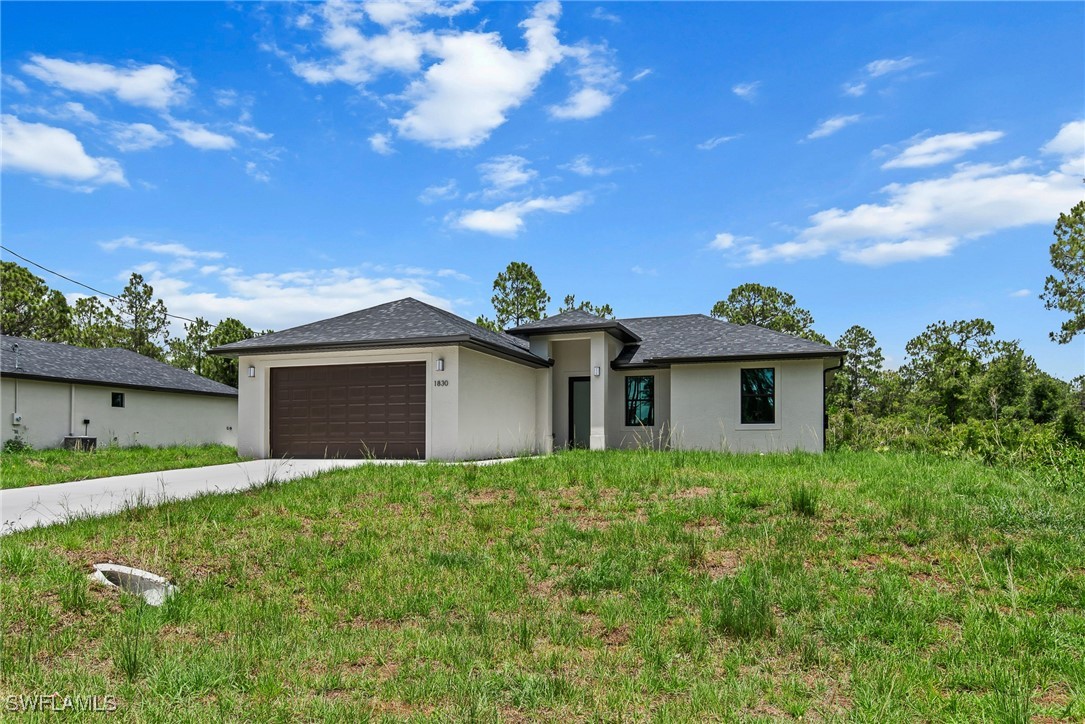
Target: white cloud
(440, 192)
(716, 141)
(152, 86)
(381, 143)
(854, 89)
(138, 137)
(931, 217)
(14, 83)
(257, 173)
(885, 66)
(644, 272)
(1020, 293)
(280, 301)
(200, 136)
(501, 174)
(832, 125)
(641, 74)
(746, 91)
(601, 14)
(472, 80)
(1069, 143)
(583, 166)
(463, 97)
(54, 153)
(723, 241)
(598, 83)
(174, 249)
(940, 149)
(508, 219)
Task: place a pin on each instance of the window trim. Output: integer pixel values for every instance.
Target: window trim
(775, 424)
(113, 400)
(651, 401)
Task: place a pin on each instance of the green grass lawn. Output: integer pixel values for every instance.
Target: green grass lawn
(41, 467)
(636, 585)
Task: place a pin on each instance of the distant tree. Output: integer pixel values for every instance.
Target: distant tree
(190, 352)
(767, 307)
(570, 304)
(224, 369)
(29, 308)
(519, 296)
(487, 323)
(144, 318)
(859, 376)
(945, 360)
(1067, 293)
(1001, 390)
(94, 325)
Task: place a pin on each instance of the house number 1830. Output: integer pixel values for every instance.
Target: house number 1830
(440, 383)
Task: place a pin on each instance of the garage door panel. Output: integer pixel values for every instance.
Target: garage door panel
(354, 411)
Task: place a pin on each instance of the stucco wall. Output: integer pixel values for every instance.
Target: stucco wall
(147, 418)
(705, 407)
(496, 407)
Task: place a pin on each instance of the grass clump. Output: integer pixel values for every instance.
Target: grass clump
(805, 499)
(741, 606)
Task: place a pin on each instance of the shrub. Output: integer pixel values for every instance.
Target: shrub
(17, 445)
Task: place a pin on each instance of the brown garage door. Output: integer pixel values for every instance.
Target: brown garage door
(349, 411)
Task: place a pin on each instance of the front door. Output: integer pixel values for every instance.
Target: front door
(580, 412)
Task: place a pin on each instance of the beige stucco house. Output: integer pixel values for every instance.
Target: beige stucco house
(49, 392)
(409, 380)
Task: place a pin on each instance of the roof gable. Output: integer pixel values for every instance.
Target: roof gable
(403, 322)
(697, 337)
(108, 366)
(575, 320)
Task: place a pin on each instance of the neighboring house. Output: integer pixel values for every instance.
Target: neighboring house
(50, 391)
(409, 380)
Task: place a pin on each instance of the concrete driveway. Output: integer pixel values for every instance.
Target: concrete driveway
(22, 508)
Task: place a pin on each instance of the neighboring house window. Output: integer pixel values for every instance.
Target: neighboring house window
(759, 396)
(640, 401)
(118, 399)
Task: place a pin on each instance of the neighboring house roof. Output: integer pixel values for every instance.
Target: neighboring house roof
(110, 367)
(699, 338)
(402, 323)
(575, 320)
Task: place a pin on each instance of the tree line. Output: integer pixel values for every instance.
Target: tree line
(961, 388)
(134, 320)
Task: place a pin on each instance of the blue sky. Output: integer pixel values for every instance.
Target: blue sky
(888, 164)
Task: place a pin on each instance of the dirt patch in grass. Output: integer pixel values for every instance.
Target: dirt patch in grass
(491, 496)
(693, 493)
(721, 563)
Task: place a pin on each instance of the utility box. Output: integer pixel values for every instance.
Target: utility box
(16, 419)
(81, 443)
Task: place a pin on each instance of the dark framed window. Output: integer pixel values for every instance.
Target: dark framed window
(759, 396)
(118, 399)
(640, 401)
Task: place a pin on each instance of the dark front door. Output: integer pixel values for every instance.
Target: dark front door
(349, 411)
(580, 412)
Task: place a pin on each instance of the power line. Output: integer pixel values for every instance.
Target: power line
(85, 286)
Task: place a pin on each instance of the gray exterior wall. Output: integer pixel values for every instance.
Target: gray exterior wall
(53, 410)
(705, 407)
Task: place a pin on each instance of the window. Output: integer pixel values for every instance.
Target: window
(118, 399)
(640, 404)
(759, 396)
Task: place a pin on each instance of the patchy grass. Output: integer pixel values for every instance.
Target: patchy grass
(619, 585)
(41, 467)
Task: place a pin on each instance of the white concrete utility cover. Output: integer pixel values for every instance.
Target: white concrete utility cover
(154, 589)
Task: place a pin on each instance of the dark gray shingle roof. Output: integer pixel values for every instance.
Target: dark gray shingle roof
(109, 366)
(576, 320)
(400, 323)
(694, 337)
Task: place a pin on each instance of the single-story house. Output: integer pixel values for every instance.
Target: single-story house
(49, 392)
(409, 380)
